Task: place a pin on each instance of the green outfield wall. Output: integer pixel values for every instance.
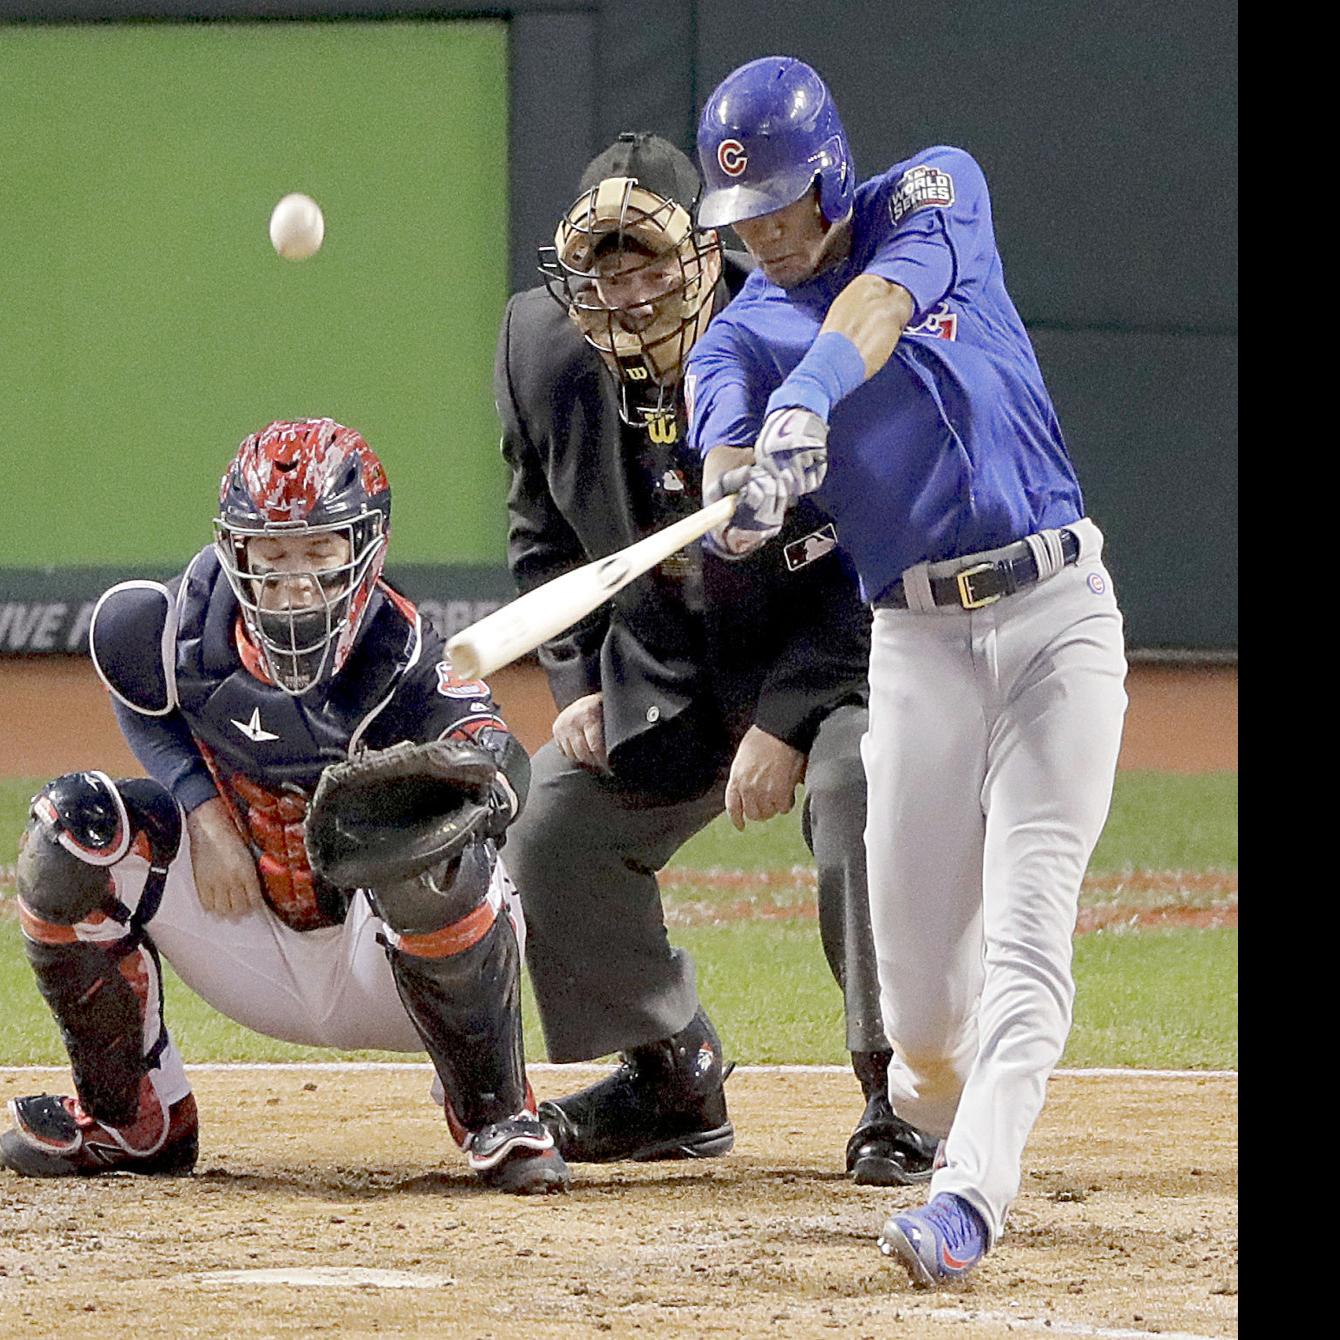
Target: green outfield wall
(147, 325)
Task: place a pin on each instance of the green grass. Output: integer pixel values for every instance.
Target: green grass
(1165, 998)
(1159, 821)
(1160, 999)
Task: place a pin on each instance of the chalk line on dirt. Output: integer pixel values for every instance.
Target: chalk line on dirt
(1046, 1325)
(1097, 1072)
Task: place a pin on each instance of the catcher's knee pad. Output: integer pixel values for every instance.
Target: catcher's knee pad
(95, 978)
(461, 987)
(81, 825)
(439, 898)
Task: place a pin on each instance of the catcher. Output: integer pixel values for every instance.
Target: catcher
(316, 853)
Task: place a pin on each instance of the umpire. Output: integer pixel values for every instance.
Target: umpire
(704, 684)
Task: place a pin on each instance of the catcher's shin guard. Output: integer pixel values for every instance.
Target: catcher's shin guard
(460, 986)
(94, 963)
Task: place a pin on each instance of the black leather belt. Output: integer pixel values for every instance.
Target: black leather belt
(979, 584)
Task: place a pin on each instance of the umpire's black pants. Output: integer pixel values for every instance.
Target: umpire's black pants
(584, 856)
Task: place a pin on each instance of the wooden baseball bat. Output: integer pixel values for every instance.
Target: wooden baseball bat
(522, 624)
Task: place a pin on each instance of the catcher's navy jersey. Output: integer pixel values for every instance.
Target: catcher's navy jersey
(202, 718)
(953, 446)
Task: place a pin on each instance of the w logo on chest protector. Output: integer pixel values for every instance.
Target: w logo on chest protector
(662, 429)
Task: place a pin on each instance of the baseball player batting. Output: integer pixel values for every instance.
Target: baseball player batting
(315, 850)
(876, 362)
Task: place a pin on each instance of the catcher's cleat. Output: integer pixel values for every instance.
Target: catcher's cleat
(518, 1156)
(55, 1137)
(528, 1174)
(665, 1101)
(884, 1150)
(939, 1243)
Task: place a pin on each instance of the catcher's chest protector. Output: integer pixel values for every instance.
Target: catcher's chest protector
(265, 748)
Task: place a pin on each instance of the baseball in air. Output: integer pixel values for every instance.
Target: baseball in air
(297, 227)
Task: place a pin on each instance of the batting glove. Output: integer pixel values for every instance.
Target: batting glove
(764, 498)
(794, 443)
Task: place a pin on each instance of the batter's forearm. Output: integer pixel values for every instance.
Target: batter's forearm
(856, 339)
(872, 313)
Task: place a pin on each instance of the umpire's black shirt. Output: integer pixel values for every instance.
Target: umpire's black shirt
(691, 654)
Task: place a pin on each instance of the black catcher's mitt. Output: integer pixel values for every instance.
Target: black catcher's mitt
(391, 814)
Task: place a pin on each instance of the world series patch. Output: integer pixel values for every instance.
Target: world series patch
(921, 187)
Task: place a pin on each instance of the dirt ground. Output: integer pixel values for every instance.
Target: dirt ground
(55, 717)
(1126, 1224)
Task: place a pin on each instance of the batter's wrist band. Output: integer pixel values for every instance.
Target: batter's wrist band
(833, 368)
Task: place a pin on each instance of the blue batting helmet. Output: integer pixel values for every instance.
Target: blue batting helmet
(767, 133)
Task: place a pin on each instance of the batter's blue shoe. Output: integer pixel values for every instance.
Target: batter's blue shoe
(939, 1243)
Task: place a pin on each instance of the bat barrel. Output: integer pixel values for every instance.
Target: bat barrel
(521, 625)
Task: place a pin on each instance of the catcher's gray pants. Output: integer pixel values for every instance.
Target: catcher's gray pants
(584, 856)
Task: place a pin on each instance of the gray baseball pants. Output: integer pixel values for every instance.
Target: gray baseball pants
(584, 855)
(993, 743)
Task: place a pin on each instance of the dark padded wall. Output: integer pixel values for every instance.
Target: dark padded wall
(1107, 133)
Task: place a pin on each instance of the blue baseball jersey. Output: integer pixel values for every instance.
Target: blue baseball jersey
(953, 446)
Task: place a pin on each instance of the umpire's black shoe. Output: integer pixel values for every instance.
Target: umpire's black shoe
(884, 1150)
(666, 1101)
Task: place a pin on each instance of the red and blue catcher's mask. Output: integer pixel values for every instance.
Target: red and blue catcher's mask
(767, 134)
(303, 479)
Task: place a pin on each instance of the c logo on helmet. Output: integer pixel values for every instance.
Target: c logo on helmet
(732, 158)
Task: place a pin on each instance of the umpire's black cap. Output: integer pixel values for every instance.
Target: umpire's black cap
(655, 163)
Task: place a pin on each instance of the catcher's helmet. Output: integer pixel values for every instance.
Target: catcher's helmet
(635, 214)
(769, 131)
(304, 478)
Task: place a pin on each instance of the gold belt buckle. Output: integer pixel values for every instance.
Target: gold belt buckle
(965, 595)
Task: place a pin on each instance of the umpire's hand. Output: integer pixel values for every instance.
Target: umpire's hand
(763, 778)
(579, 733)
(224, 868)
